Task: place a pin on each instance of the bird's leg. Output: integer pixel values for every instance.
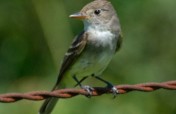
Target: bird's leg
(109, 85)
(79, 82)
(86, 88)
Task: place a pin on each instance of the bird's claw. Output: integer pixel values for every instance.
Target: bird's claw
(88, 89)
(114, 91)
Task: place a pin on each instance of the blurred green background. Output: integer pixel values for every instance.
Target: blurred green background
(35, 34)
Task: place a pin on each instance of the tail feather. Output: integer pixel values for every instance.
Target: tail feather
(49, 104)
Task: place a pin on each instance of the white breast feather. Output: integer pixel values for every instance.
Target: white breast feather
(103, 37)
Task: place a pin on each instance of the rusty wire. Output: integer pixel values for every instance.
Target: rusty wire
(68, 93)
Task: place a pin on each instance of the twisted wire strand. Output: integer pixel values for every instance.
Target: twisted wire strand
(68, 93)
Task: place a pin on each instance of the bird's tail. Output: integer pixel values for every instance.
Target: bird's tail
(49, 104)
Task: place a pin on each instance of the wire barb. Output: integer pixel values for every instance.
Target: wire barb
(68, 93)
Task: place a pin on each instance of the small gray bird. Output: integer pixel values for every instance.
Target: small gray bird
(91, 50)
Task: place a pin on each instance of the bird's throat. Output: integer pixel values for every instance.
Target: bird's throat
(101, 37)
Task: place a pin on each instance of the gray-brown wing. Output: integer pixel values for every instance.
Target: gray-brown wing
(73, 53)
(119, 42)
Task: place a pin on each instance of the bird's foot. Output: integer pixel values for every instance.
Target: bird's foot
(88, 89)
(114, 90)
(109, 86)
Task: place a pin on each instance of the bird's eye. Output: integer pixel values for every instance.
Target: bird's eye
(97, 12)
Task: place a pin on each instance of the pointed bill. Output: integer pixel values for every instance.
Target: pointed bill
(78, 16)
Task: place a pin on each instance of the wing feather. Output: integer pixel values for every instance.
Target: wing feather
(73, 53)
(119, 42)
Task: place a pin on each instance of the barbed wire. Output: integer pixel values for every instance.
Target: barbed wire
(68, 93)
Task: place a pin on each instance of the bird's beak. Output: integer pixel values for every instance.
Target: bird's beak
(78, 16)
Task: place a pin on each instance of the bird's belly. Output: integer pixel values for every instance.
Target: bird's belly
(91, 62)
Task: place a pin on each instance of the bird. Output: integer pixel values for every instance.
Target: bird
(92, 50)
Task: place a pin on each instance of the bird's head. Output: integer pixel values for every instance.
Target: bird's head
(96, 13)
